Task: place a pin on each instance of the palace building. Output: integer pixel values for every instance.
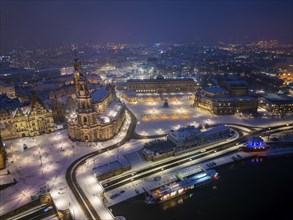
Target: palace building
(159, 89)
(160, 85)
(277, 104)
(230, 98)
(99, 114)
(27, 121)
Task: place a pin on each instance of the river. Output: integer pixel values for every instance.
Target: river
(253, 189)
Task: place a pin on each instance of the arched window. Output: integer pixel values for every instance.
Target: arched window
(84, 120)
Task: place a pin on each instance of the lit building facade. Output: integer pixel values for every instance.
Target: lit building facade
(287, 77)
(278, 104)
(28, 121)
(2, 154)
(62, 107)
(99, 114)
(183, 140)
(229, 99)
(154, 90)
(255, 144)
(161, 85)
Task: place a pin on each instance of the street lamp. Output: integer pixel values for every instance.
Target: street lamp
(40, 156)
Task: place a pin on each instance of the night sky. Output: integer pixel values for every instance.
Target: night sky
(144, 21)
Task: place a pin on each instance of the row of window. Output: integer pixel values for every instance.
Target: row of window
(160, 86)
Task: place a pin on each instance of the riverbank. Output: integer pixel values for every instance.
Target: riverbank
(217, 159)
(254, 188)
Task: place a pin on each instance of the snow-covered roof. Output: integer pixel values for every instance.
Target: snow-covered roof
(99, 94)
(160, 80)
(113, 109)
(184, 132)
(215, 89)
(272, 97)
(232, 99)
(130, 93)
(157, 146)
(122, 162)
(7, 103)
(236, 83)
(157, 95)
(26, 110)
(219, 128)
(190, 133)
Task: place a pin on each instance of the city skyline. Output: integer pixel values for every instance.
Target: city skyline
(134, 109)
(54, 23)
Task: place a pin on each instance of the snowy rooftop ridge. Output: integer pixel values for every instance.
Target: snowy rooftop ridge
(236, 83)
(99, 94)
(215, 89)
(190, 132)
(231, 99)
(215, 130)
(114, 109)
(278, 97)
(113, 165)
(184, 132)
(112, 112)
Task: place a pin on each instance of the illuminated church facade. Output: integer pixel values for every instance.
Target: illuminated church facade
(99, 114)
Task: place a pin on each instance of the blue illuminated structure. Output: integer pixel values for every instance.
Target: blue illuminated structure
(255, 143)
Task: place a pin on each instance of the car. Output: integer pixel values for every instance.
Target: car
(274, 139)
(114, 195)
(35, 197)
(157, 178)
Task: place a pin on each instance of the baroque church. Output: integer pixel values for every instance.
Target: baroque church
(99, 114)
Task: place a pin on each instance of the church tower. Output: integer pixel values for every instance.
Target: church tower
(77, 69)
(98, 115)
(86, 116)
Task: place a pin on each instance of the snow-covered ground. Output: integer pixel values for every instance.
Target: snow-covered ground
(167, 176)
(48, 156)
(93, 188)
(45, 163)
(156, 124)
(137, 186)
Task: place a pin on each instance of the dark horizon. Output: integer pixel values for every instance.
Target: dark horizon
(54, 23)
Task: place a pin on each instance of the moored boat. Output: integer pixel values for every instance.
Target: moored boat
(180, 186)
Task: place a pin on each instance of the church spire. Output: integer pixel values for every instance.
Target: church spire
(77, 63)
